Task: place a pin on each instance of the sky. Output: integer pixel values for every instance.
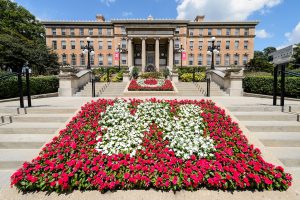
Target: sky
(279, 20)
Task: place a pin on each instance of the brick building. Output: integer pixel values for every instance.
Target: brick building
(151, 41)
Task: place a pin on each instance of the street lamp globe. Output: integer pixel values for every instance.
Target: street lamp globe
(92, 53)
(88, 39)
(208, 52)
(213, 39)
(216, 51)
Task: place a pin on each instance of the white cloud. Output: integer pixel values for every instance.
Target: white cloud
(294, 36)
(262, 33)
(108, 2)
(222, 9)
(126, 14)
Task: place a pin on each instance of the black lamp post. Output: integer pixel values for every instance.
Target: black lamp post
(180, 50)
(120, 51)
(211, 51)
(89, 50)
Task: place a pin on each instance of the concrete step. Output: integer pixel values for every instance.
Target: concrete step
(23, 141)
(254, 108)
(289, 156)
(5, 177)
(264, 116)
(41, 118)
(14, 158)
(272, 126)
(52, 110)
(279, 139)
(29, 128)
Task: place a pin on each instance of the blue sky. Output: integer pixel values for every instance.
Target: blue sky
(279, 19)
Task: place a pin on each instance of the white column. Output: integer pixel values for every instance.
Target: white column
(129, 56)
(143, 54)
(157, 54)
(171, 53)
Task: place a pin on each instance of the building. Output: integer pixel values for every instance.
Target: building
(151, 41)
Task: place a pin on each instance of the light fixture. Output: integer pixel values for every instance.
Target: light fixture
(92, 53)
(208, 52)
(215, 51)
(88, 39)
(213, 39)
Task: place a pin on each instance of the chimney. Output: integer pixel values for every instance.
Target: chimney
(199, 18)
(100, 18)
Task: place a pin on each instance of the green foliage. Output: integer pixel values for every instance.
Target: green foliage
(296, 57)
(188, 77)
(118, 77)
(38, 85)
(166, 72)
(264, 85)
(22, 39)
(135, 72)
(260, 61)
(156, 75)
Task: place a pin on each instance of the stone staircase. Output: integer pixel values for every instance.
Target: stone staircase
(113, 90)
(22, 139)
(87, 89)
(198, 89)
(278, 131)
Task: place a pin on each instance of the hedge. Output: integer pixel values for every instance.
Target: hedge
(264, 85)
(38, 85)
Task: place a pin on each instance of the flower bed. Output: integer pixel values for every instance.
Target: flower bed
(150, 85)
(164, 145)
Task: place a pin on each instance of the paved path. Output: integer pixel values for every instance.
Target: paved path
(226, 102)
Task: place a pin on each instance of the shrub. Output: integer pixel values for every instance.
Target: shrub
(135, 72)
(38, 85)
(264, 85)
(147, 75)
(188, 77)
(166, 72)
(118, 77)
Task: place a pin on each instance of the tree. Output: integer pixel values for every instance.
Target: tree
(267, 52)
(296, 57)
(260, 62)
(22, 38)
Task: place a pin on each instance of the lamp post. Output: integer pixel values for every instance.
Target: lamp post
(120, 51)
(89, 50)
(180, 50)
(211, 51)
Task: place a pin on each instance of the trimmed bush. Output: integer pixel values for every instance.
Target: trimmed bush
(188, 77)
(264, 85)
(38, 85)
(147, 75)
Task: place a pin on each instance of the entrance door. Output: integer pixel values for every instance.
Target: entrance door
(150, 60)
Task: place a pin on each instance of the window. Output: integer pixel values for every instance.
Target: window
(245, 59)
(53, 31)
(109, 60)
(100, 59)
(177, 43)
(191, 32)
(200, 60)
(123, 58)
(228, 30)
(237, 31)
(92, 60)
(99, 31)
(63, 44)
(109, 45)
(218, 59)
(191, 44)
(72, 31)
(228, 44)
(218, 44)
(208, 60)
(200, 45)
(64, 59)
(219, 31)
(92, 44)
(246, 31)
(236, 44)
(191, 59)
(109, 31)
(227, 60)
(246, 44)
(236, 59)
(177, 58)
(82, 59)
(73, 60)
(54, 44)
(201, 31)
(73, 44)
(63, 31)
(123, 30)
(91, 31)
(177, 30)
(100, 44)
(123, 44)
(81, 31)
(81, 44)
(209, 31)
(209, 44)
